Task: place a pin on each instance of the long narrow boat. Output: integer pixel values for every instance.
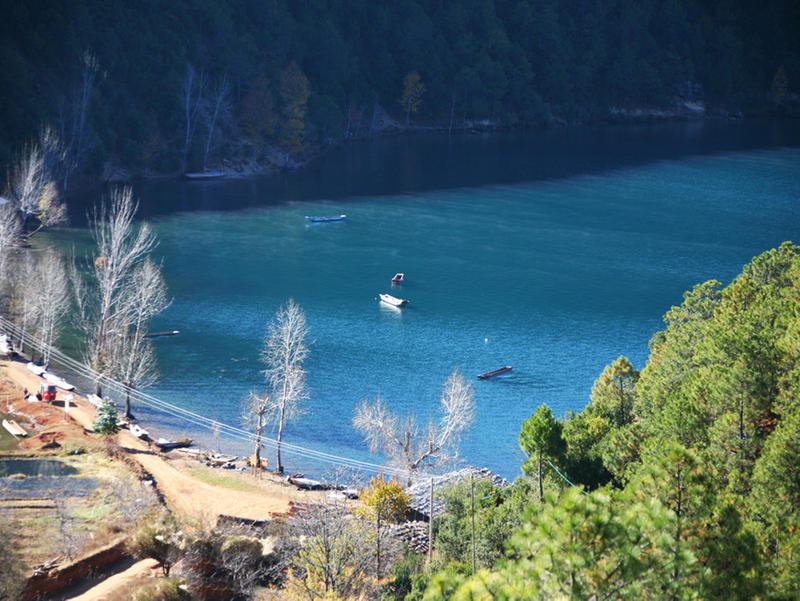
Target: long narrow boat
(14, 428)
(322, 219)
(168, 445)
(393, 300)
(60, 382)
(204, 175)
(496, 372)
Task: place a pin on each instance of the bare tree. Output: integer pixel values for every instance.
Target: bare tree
(23, 293)
(192, 100)
(51, 299)
(335, 558)
(31, 188)
(90, 69)
(285, 349)
(405, 441)
(10, 229)
(133, 360)
(254, 411)
(217, 110)
(104, 306)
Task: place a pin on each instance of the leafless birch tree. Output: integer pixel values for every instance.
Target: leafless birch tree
(285, 349)
(23, 301)
(51, 299)
(192, 100)
(133, 360)
(217, 110)
(103, 303)
(10, 230)
(32, 190)
(408, 443)
(90, 69)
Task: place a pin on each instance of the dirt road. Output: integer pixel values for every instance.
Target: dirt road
(185, 494)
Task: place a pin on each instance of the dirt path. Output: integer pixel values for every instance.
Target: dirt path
(185, 494)
(119, 585)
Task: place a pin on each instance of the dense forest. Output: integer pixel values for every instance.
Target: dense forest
(687, 481)
(161, 86)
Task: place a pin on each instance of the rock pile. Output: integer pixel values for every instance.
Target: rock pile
(420, 492)
(415, 534)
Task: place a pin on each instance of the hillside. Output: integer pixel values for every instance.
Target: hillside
(281, 79)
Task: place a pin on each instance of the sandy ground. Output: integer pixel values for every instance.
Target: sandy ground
(120, 585)
(185, 494)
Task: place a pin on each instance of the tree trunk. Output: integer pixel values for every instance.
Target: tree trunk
(128, 413)
(279, 465)
(430, 525)
(539, 476)
(378, 547)
(257, 452)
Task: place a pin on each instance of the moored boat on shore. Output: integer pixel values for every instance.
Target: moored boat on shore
(60, 382)
(37, 369)
(14, 428)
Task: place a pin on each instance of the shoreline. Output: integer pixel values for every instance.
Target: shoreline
(232, 168)
(185, 490)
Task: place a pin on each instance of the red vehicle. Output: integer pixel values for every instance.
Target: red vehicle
(48, 392)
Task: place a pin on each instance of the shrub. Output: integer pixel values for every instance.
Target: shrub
(164, 590)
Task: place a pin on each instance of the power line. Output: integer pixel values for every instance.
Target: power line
(162, 406)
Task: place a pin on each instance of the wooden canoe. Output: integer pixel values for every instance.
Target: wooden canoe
(496, 372)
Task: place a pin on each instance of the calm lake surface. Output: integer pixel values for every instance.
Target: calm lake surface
(554, 253)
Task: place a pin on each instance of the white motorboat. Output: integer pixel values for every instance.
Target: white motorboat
(37, 369)
(393, 300)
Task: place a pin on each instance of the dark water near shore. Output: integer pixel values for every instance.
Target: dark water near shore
(553, 253)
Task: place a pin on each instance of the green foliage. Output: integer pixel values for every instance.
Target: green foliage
(704, 447)
(294, 92)
(157, 538)
(513, 62)
(582, 547)
(164, 590)
(405, 573)
(540, 438)
(106, 422)
(413, 90)
(498, 513)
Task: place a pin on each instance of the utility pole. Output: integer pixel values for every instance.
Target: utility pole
(472, 496)
(430, 524)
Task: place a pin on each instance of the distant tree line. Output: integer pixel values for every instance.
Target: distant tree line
(280, 77)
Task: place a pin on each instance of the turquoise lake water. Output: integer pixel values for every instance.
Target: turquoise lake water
(556, 268)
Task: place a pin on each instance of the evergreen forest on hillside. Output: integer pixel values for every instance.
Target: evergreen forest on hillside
(686, 473)
(163, 86)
